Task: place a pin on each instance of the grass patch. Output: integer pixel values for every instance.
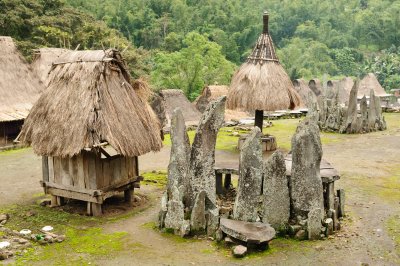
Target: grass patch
(85, 239)
(393, 228)
(158, 178)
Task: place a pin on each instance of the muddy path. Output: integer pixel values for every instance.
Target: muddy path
(370, 169)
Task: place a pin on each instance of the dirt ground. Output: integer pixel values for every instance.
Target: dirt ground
(370, 168)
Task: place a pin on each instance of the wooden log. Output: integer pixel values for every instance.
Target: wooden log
(45, 168)
(227, 182)
(128, 195)
(330, 195)
(218, 183)
(96, 209)
(341, 196)
(54, 201)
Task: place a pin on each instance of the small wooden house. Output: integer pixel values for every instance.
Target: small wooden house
(19, 89)
(90, 125)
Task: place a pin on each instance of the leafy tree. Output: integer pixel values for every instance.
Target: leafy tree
(199, 63)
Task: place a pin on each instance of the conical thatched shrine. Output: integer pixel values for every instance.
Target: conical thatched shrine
(261, 83)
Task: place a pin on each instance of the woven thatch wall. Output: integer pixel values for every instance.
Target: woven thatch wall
(301, 87)
(90, 100)
(209, 94)
(176, 98)
(19, 87)
(368, 83)
(43, 60)
(316, 86)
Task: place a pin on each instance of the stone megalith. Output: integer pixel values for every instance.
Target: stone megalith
(250, 178)
(314, 224)
(198, 220)
(364, 114)
(372, 115)
(201, 173)
(305, 182)
(180, 152)
(351, 116)
(175, 216)
(276, 200)
(312, 104)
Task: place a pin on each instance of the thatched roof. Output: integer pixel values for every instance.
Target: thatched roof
(301, 87)
(19, 87)
(316, 86)
(344, 87)
(43, 60)
(91, 100)
(261, 83)
(176, 98)
(368, 83)
(209, 94)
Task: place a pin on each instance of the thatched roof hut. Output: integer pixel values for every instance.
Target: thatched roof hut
(368, 83)
(261, 83)
(209, 94)
(43, 60)
(301, 87)
(19, 87)
(91, 100)
(316, 86)
(176, 98)
(344, 87)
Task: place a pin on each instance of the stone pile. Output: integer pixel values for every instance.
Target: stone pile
(189, 205)
(18, 241)
(267, 199)
(332, 117)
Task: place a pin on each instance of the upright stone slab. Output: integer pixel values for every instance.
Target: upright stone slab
(312, 104)
(351, 115)
(314, 224)
(364, 114)
(175, 211)
(276, 200)
(372, 115)
(202, 158)
(250, 178)
(198, 220)
(180, 152)
(305, 181)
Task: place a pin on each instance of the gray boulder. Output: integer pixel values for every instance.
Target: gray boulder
(250, 178)
(202, 158)
(198, 221)
(305, 181)
(254, 233)
(180, 152)
(276, 200)
(314, 224)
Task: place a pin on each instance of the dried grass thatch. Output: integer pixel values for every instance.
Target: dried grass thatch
(209, 94)
(344, 87)
(43, 61)
(19, 86)
(176, 98)
(316, 86)
(90, 100)
(301, 87)
(368, 83)
(261, 83)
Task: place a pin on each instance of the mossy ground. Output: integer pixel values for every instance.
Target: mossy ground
(85, 239)
(393, 228)
(156, 178)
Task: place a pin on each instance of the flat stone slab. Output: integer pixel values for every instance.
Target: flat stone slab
(255, 233)
(328, 173)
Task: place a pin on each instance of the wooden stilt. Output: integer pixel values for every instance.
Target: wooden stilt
(54, 201)
(128, 194)
(96, 209)
(259, 119)
(218, 179)
(227, 181)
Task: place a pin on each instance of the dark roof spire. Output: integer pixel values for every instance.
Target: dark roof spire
(265, 20)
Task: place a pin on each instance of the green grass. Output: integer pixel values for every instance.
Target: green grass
(393, 228)
(85, 239)
(158, 178)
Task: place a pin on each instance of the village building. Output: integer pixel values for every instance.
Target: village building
(90, 125)
(19, 89)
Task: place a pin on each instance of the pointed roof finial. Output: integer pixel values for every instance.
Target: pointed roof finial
(265, 20)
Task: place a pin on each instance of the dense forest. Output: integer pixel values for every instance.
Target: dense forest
(187, 44)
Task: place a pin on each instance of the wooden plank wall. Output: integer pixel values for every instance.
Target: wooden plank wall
(90, 171)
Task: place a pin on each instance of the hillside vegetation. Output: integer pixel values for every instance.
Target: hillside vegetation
(187, 44)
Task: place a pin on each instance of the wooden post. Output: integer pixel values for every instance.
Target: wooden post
(94, 209)
(259, 119)
(128, 195)
(227, 182)
(45, 168)
(54, 201)
(218, 179)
